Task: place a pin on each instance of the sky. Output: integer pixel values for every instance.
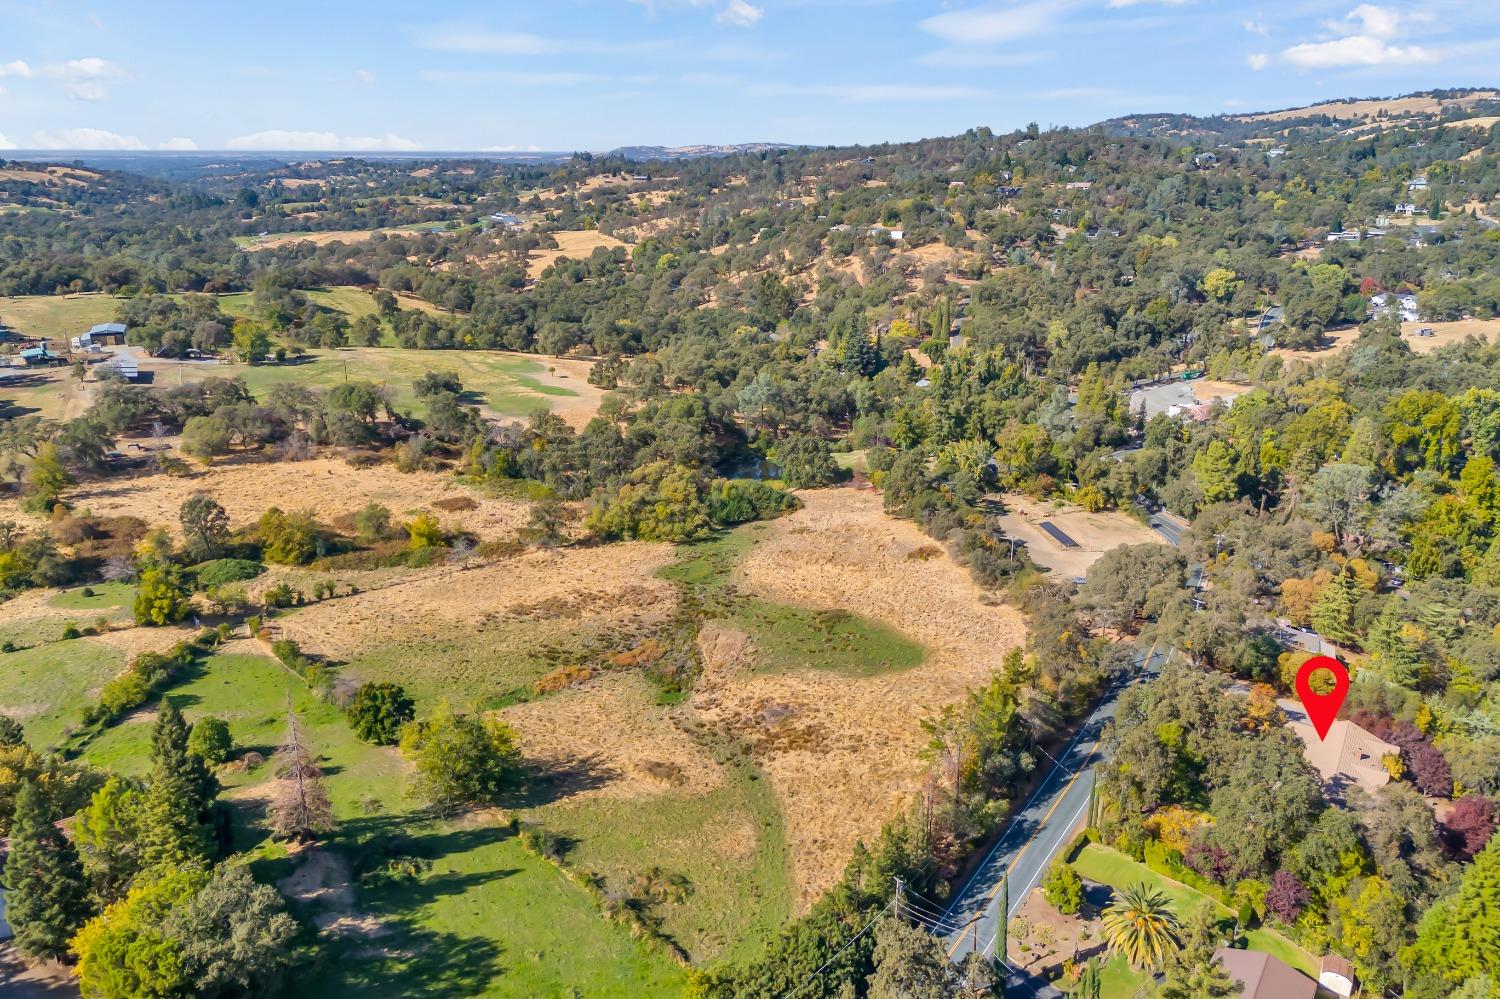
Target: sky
(562, 75)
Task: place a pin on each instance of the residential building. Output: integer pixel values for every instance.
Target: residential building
(1337, 975)
(1349, 756)
(1262, 976)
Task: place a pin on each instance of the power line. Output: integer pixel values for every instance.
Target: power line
(815, 974)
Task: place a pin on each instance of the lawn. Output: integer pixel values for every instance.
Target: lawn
(487, 918)
(1110, 867)
(58, 317)
(103, 598)
(507, 384)
(47, 686)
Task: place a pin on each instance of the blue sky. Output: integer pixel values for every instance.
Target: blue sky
(594, 74)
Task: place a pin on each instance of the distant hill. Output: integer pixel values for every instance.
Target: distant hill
(644, 153)
(1347, 115)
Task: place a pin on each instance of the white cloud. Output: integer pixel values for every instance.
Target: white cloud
(468, 39)
(92, 68)
(511, 149)
(364, 76)
(1256, 27)
(740, 14)
(1382, 22)
(1258, 60)
(17, 68)
(860, 92)
(987, 25)
(1369, 35)
(1137, 3)
(6, 143)
(179, 144)
(282, 140)
(1356, 50)
(85, 138)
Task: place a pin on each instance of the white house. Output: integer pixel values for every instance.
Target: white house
(1418, 183)
(881, 232)
(506, 219)
(1336, 975)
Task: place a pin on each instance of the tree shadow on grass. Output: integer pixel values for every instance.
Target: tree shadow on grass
(409, 961)
(548, 785)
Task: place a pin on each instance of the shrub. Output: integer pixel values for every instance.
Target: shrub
(1063, 888)
(281, 595)
(287, 539)
(425, 532)
(222, 571)
(659, 502)
(210, 741)
(160, 597)
(460, 759)
(806, 462)
(373, 522)
(736, 501)
(379, 711)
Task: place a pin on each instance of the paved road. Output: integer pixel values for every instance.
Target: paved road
(1169, 527)
(1037, 832)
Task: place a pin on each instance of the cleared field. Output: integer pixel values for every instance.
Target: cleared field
(841, 751)
(352, 302)
(1096, 533)
(327, 487)
(575, 245)
(1443, 334)
(1359, 110)
(503, 383)
(636, 794)
(57, 317)
(45, 687)
(251, 244)
(447, 604)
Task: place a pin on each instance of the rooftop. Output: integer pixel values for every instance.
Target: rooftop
(1262, 976)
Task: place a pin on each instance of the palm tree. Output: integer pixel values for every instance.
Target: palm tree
(1141, 925)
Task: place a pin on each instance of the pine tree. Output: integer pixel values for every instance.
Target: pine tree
(174, 830)
(301, 809)
(47, 898)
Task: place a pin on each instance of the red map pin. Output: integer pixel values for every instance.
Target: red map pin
(1322, 709)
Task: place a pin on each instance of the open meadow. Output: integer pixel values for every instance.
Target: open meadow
(829, 634)
(502, 383)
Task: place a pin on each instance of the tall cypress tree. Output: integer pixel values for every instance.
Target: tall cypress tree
(47, 898)
(174, 829)
(1002, 925)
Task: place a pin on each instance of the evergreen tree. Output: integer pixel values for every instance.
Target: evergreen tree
(173, 827)
(108, 832)
(47, 898)
(1002, 923)
(1459, 937)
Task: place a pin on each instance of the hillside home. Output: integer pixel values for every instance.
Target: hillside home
(1417, 184)
(1262, 976)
